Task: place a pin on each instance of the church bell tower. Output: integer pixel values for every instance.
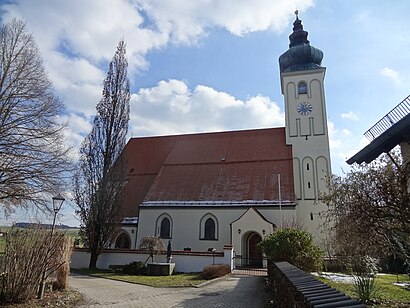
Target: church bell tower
(302, 78)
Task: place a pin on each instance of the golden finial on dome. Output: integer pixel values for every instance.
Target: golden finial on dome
(297, 13)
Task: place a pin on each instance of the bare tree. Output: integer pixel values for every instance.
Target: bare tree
(369, 208)
(33, 158)
(99, 181)
(153, 244)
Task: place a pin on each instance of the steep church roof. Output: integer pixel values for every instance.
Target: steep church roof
(237, 166)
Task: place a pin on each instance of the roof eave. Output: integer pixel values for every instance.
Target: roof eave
(384, 143)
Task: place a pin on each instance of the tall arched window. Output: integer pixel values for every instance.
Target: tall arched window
(302, 88)
(165, 229)
(209, 229)
(163, 226)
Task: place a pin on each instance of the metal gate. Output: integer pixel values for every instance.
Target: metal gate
(250, 266)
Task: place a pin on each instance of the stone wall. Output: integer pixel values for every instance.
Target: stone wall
(293, 287)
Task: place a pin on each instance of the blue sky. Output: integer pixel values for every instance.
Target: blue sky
(209, 65)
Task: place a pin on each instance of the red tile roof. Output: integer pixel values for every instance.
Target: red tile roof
(225, 166)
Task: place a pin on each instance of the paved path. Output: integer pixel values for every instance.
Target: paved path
(230, 291)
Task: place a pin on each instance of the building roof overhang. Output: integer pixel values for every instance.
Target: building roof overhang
(218, 204)
(396, 134)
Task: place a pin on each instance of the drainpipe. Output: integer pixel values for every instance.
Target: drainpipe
(136, 233)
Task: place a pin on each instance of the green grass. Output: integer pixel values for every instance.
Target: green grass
(388, 294)
(2, 245)
(176, 280)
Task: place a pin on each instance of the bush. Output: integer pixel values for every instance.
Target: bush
(361, 265)
(28, 254)
(396, 265)
(294, 246)
(215, 271)
(134, 268)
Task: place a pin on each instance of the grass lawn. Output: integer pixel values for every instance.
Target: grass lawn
(2, 245)
(175, 280)
(388, 294)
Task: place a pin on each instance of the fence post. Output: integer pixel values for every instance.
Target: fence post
(228, 256)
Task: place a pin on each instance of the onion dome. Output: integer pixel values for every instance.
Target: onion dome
(300, 55)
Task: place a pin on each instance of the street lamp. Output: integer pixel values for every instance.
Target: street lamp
(57, 203)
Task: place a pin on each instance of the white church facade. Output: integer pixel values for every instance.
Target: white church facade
(207, 190)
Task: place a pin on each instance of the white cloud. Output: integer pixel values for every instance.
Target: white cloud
(392, 74)
(77, 38)
(171, 107)
(188, 20)
(346, 132)
(350, 115)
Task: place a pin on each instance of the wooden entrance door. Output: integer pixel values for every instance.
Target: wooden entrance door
(255, 253)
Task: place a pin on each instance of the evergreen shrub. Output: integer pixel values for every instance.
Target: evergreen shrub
(294, 246)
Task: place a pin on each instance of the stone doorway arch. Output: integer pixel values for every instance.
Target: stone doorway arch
(123, 241)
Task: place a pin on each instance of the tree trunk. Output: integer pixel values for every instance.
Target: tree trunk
(93, 260)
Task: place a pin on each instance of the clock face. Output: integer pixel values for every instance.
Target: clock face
(304, 108)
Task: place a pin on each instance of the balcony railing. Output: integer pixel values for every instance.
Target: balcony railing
(394, 116)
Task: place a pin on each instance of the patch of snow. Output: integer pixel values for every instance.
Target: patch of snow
(402, 284)
(337, 277)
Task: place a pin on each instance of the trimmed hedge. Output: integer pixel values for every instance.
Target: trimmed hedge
(215, 271)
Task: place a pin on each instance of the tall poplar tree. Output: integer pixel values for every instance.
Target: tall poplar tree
(99, 179)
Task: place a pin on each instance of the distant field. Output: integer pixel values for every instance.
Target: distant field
(70, 232)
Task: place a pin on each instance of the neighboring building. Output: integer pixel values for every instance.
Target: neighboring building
(391, 130)
(205, 190)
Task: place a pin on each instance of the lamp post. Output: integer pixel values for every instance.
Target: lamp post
(57, 203)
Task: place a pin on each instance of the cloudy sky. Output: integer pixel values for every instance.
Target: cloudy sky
(212, 65)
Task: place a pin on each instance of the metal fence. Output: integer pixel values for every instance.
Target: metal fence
(250, 266)
(394, 116)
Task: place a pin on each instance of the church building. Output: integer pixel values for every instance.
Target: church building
(207, 190)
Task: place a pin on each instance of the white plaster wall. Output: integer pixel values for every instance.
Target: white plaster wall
(316, 144)
(315, 226)
(122, 258)
(79, 259)
(183, 263)
(308, 136)
(249, 222)
(186, 224)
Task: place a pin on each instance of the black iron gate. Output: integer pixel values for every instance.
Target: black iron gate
(250, 266)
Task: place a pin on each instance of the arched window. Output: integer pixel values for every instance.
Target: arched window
(165, 231)
(208, 228)
(163, 226)
(302, 87)
(123, 241)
